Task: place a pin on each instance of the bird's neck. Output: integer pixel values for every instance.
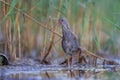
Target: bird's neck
(66, 30)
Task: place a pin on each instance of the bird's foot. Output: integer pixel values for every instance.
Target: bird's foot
(69, 62)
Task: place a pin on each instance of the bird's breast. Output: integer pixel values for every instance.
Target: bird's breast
(69, 46)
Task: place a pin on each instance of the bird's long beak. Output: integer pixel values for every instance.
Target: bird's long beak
(57, 23)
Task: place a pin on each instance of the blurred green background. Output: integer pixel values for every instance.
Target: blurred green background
(96, 23)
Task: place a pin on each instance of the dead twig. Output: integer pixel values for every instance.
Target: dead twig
(53, 35)
(90, 53)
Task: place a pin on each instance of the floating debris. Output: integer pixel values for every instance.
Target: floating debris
(3, 60)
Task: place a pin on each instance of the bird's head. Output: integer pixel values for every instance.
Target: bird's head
(63, 21)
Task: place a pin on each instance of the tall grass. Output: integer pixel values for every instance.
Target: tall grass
(27, 26)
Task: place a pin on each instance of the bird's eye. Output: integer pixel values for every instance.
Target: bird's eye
(62, 20)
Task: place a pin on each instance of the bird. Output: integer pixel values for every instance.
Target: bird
(69, 41)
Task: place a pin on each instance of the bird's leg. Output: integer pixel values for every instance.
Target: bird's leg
(69, 61)
(78, 56)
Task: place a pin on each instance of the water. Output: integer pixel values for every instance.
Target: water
(56, 72)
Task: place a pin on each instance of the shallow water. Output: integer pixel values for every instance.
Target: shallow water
(53, 72)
